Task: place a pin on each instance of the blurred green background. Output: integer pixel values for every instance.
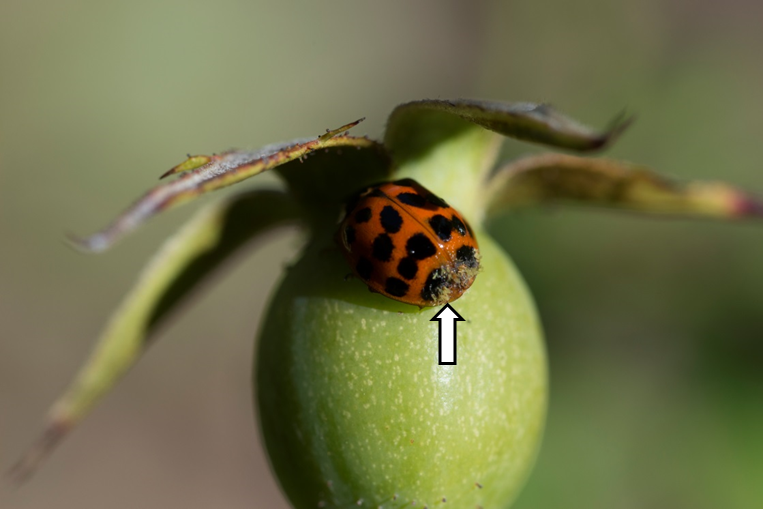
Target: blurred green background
(654, 326)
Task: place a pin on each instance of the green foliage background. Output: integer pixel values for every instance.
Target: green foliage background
(654, 327)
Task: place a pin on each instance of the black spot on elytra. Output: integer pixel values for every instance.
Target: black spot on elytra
(363, 215)
(469, 229)
(467, 256)
(458, 225)
(364, 268)
(441, 226)
(413, 199)
(382, 247)
(419, 197)
(349, 234)
(407, 268)
(390, 219)
(396, 287)
(436, 201)
(433, 286)
(420, 247)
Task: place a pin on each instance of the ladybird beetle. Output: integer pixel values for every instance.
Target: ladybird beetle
(408, 244)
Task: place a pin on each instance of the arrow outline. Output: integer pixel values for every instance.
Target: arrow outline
(436, 318)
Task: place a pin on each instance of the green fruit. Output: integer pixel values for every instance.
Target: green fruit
(356, 411)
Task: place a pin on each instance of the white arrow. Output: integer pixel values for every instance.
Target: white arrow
(447, 317)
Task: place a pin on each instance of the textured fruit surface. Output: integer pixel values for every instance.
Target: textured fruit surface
(356, 411)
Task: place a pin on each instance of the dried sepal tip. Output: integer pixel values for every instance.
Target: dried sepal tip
(23, 469)
(564, 178)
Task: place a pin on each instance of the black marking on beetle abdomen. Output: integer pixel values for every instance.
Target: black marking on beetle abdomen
(396, 287)
(469, 229)
(413, 199)
(467, 256)
(437, 201)
(426, 201)
(441, 226)
(390, 219)
(363, 215)
(382, 247)
(459, 225)
(434, 285)
(420, 247)
(407, 268)
(364, 268)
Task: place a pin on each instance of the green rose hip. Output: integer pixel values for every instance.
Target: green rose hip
(355, 408)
